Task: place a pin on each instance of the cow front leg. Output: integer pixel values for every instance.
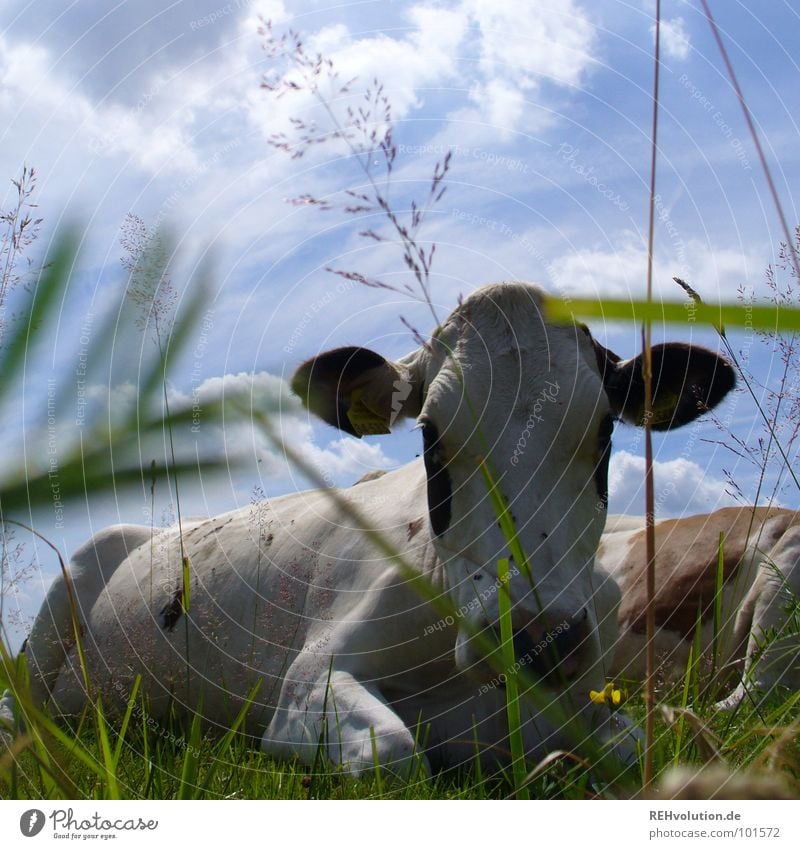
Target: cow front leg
(345, 720)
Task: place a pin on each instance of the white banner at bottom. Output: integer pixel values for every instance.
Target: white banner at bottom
(384, 824)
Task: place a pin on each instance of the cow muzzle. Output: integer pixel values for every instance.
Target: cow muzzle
(554, 653)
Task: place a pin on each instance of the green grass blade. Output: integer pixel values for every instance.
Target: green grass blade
(191, 760)
(44, 740)
(105, 748)
(227, 738)
(679, 727)
(376, 762)
(512, 690)
(762, 316)
(123, 729)
(698, 653)
(478, 768)
(186, 584)
(91, 473)
(43, 300)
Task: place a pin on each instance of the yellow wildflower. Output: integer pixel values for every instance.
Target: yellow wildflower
(610, 695)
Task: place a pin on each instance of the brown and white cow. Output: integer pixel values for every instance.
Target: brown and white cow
(758, 643)
(350, 659)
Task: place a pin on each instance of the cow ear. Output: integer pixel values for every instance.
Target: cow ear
(357, 390)
(687, 382)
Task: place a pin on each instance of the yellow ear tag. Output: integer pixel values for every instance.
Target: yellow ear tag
(365, 421)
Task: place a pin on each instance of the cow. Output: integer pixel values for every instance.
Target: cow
(365, 652)
(749, 632)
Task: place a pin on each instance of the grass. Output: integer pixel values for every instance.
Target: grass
(137, 757)
(237, 771)
(512, 690)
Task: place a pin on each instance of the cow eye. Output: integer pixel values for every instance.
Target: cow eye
(430, 441)
(439, 487)
(429, 432)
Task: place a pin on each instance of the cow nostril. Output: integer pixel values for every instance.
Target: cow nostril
(552, 654)
(532, 654)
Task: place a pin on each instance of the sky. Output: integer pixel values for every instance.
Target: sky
(159, 110)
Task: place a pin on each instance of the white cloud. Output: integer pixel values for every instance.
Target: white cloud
(266, 392)
(425, 56)
(674, 38)
(518, 45)
(114, 51)
(339, 462)
(501, 103)
(528, 42)
(522, 44)
(68, 124)
(681, 487)
(715, 271)
(346, 458)
(172, 133)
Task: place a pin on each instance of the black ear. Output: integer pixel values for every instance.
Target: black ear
(687, 382)
(355, 389)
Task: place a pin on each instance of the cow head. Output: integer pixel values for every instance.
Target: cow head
(500, 390)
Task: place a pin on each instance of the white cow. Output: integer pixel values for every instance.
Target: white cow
(350, 656)
(757, 639)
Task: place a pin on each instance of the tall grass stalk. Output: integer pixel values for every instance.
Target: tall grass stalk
(717, 623)
(19, 234)
(151, 289)
(16, 239)
(367, 131)
(518, 769)
(74, 611)
(684, 703)
(647, 375)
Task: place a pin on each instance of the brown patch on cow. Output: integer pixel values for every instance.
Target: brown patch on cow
(370, 476)
(686, 563)
(172, 611)
(215, 530)
(414, 527)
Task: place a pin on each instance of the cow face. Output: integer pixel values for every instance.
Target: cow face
(500, 394)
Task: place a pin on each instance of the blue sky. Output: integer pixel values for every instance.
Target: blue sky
(158, 110)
